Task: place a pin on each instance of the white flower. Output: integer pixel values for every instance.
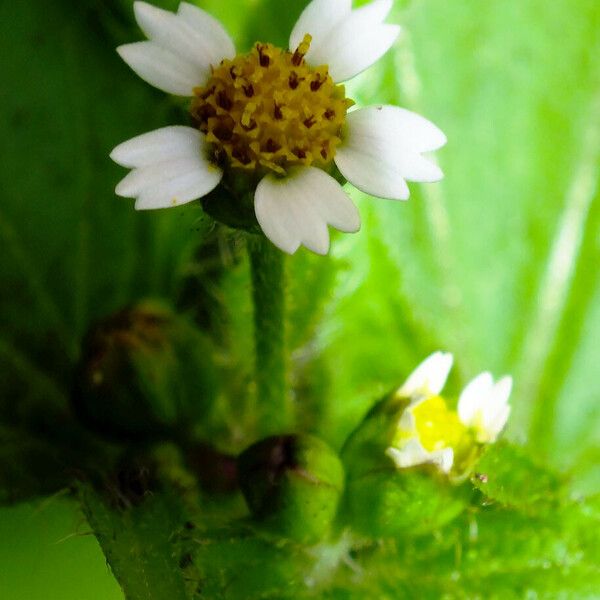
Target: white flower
(430, 433)
(288, 125)
(483, 406)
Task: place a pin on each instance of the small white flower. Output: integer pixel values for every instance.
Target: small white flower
(288, 125)
(428, 432)
(483, 406)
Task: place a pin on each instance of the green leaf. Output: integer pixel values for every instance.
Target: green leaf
(231, 565)
(508, 475)
(139, 541)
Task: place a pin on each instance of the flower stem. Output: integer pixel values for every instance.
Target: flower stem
(273, 411)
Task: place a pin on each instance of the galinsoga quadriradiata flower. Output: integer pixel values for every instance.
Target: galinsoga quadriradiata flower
(430, 432)
(279, 116)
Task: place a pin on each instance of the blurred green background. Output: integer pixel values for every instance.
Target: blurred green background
(498, 264)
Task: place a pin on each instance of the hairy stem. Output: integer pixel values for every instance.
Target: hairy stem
(274, 411)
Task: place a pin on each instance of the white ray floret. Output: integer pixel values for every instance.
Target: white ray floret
(169, 168)
(296, 210)
(348, 41)
(383, 149)
(429, 378)
(181, 47)
(483, 406)
(412, 454)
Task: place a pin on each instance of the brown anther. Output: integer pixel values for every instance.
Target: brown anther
(299, 153)
(272, 146)
(248, 90)
(205, 112)
(208, 93)
(242, 155)
(223, 131)
(297, 58)
(301, 51)
(263, 58)
(329, 114)
(324, 153)
(233, 73)
(224, 101)
(294, 80)
(316, 84)
(308, 123)
(277, 114)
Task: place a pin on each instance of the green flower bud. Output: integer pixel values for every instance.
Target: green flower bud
(145, 373)
(292, 485)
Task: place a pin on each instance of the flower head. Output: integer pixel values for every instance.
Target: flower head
(279, 117)
(430, 432)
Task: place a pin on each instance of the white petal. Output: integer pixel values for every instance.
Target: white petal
(413, 454)
(371, 175)
(444, 459)
(353, 49)
(172, 191)
(494, 426)
(172, 33)
(473, 399)
(429, 377)
(210, 29)
(403, 128)
(152, 176)
(382, 149)
(170, 168)
(158, 146)
(502, 391)
(318, 19)
(496, 411)
(408, 423)
(353, 41)
(162, 68)
(295, 210)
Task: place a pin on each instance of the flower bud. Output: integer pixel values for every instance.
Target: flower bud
(292, 485)
(145, 373)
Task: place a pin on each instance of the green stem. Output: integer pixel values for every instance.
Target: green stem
(274, 411)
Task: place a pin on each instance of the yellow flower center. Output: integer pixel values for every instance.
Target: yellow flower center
(438, 427)
(269, 110)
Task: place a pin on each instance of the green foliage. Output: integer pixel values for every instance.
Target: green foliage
(508, 475)
(137, 536)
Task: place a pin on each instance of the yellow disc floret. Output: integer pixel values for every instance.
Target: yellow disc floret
(269, 110)
(438, 427)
